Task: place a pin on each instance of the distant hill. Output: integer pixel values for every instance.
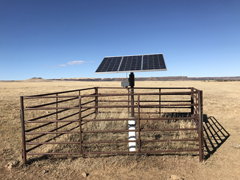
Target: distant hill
(169, 78)
(37, 79)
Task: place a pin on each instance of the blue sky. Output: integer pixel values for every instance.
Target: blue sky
(66, 39)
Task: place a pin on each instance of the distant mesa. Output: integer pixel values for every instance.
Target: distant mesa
(37, 79)
(167, 78)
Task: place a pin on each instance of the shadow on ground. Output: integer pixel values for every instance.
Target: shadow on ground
(214, 135)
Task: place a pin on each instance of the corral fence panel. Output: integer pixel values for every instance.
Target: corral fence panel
(95, 121)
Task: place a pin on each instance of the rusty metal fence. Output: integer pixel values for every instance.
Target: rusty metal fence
(94, 121)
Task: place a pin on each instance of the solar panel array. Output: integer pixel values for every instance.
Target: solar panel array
(137, 63)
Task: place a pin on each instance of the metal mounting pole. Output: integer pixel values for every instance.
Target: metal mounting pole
(132, 123)
(131, 83)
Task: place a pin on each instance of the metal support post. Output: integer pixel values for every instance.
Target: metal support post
(192, 101)
(131, 82)
(80, 122)
(24, 155)
(56, 114)
(200, 127)
(96, 100)
(159, 102)
(139, 126)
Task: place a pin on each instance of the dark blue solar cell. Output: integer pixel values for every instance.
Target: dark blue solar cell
(156, 62)
(136, 63)
(161, 61)
(131, 63)
(117, 61)
(151, 62)
(128, 63)
(103, 63)
(109, 64)
(145, 62)
(123, 64)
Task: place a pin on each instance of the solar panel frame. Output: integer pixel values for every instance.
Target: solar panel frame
(159, 59)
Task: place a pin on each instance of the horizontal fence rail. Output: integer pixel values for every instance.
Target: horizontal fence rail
(53, 119)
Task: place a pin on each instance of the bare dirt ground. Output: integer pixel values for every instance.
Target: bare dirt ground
(222, 139)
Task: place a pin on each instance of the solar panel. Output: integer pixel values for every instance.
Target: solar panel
(136, 63)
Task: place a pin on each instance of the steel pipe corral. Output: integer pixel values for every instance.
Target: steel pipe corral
(194, 103)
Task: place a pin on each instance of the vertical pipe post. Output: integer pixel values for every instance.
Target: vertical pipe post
(132, 123)
(132, 101)
(96, 101)
(128, 100)
(139, 125)
(56, 113)
(159, 102)
(80, 122)
(24, 155)
(202, 135)
(131, 83)
(200, 126)
(192, 101)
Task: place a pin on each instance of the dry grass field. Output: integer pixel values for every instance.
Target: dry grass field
(221, 108)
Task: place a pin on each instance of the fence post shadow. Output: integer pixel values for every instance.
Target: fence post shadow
(214, 135)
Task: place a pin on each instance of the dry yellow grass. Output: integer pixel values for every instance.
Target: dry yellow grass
(221, 102)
